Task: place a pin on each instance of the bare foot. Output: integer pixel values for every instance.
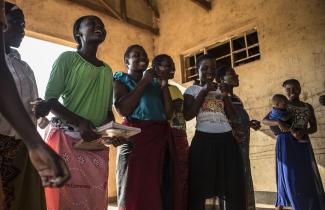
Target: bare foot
(279, 208)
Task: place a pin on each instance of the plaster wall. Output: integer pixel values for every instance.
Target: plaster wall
(291, 37)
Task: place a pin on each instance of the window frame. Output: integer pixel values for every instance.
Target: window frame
(231, 54)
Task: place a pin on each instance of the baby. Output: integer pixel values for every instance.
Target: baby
(281, 113)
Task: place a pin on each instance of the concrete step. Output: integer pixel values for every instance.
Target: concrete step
(112, 206)
(264, 201)
(267, 207)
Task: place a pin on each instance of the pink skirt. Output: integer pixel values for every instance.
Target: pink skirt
(87, 187)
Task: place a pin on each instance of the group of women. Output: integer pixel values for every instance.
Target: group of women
(156, 169)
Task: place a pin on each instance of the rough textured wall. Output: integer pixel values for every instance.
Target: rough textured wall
(48, 19)
(292, 44)
(52, 20)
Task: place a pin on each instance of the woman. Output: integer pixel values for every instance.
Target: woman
(215, 163)
(298, 181)
(228, 75)
(12, 108)
(164, 66)
(85, 84)
(22, 185)
(144, 102)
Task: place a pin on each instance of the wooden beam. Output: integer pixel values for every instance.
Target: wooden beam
(94, 7)
(203, 3)
(111, 9)
(153, 8)
(135, 22)
(123, 9)
(142, 25)
(121, 16)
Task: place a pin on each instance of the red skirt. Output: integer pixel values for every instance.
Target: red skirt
(178, 148)
(139, 168)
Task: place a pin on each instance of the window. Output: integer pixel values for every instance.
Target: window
(245, 48)
(190, 70)
(233, 52)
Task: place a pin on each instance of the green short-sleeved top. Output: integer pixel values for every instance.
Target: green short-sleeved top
(86, 90)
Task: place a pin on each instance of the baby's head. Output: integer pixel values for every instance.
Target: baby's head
(279, 101)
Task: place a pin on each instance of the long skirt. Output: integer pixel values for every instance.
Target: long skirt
(2, 197)
(216, 169)
(249, 187)
(21, 184)
(175, 172)
(298, 181)
(87, 187)
(180, 166)
(139, 167)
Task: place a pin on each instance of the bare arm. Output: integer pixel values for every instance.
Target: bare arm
(85, 126)
(192, 105)
(60, 111)
(125, 102)
(268, 122)
(230, 109)
(283, 127)
(255, 124)
(168, 103)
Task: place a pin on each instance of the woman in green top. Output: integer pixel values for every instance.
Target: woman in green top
(85, 84)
